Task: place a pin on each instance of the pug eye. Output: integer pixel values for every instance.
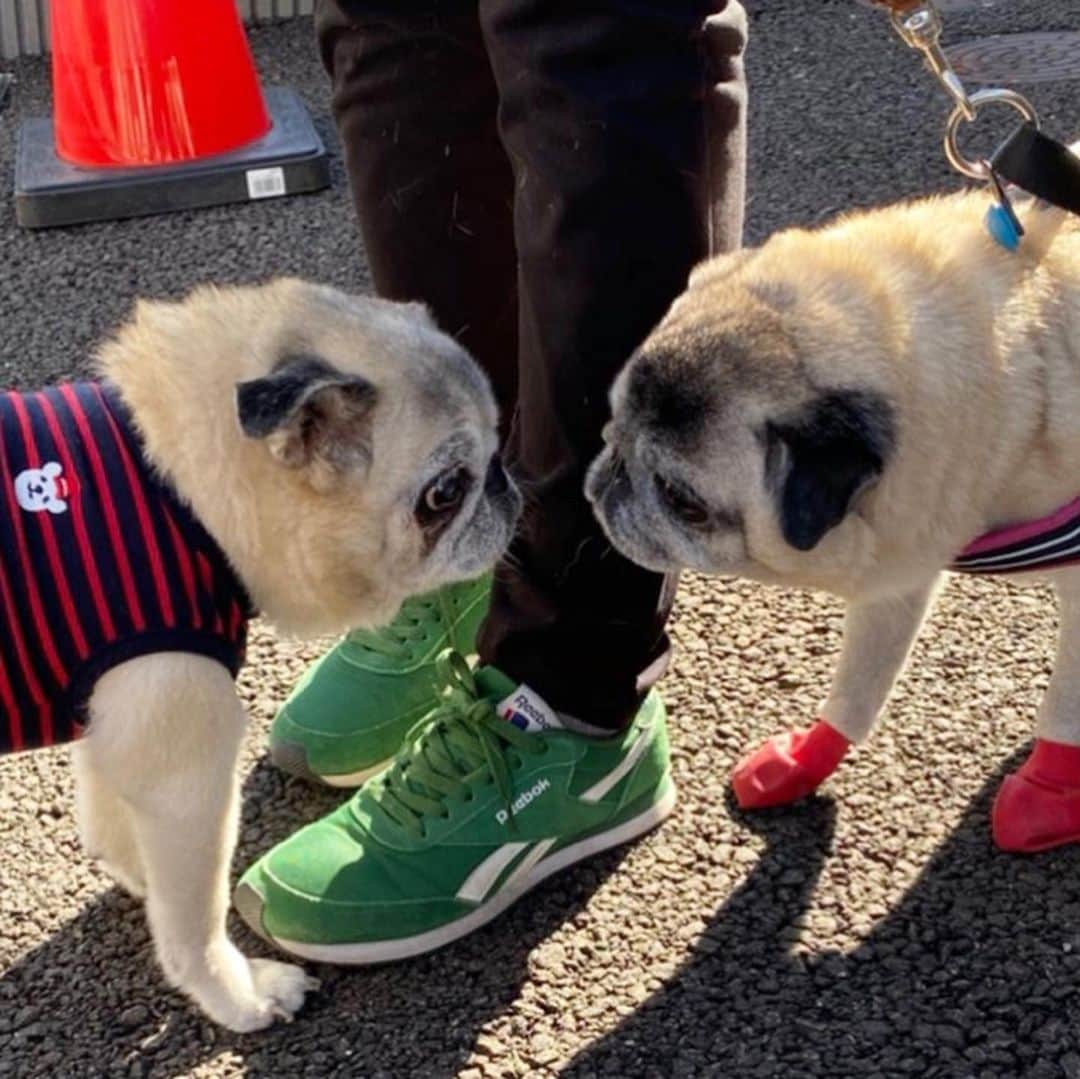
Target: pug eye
(444, 493)
(682, 502)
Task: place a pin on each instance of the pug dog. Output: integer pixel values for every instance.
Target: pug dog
(858, 408)
(286, 448)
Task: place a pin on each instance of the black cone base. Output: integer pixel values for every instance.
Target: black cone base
(289, 159)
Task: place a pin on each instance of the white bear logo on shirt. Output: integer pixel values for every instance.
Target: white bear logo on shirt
(40, 489)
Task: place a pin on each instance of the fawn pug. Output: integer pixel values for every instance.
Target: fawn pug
(285, 448)
(857, 408)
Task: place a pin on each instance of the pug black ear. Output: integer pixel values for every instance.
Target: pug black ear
(307, 409)
(819, 462)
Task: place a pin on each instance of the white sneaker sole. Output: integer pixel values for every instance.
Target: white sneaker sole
(354, 779)
(291, 758)
(407, 947)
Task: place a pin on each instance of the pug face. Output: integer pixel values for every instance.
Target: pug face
(341, 449)
(386, 430)
(734, 448)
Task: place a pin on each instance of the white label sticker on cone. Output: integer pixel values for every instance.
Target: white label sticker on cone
(265, 183)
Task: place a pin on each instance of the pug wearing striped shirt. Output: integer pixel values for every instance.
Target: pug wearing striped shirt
(285, 448)
(856, 409)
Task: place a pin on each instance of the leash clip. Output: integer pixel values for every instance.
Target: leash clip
(920, 28)
(919, 25)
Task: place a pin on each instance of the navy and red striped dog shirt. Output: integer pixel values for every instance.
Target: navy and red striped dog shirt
(100, 562)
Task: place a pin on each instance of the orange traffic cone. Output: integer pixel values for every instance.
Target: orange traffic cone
(158, 107)
(152, 83)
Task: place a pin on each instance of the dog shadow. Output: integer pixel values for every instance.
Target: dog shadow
(100, 1004)
(976, 971)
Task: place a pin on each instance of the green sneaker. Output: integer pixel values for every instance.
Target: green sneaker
(352, 709)
(488, 798)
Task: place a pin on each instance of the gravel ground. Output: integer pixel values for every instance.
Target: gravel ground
(873, 931)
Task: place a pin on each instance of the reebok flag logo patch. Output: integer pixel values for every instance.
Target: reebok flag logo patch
(528, 711)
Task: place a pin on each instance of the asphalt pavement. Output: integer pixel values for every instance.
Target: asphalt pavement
(872, 931)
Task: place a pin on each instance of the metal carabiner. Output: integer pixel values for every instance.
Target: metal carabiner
(979, 169)
(919, 26)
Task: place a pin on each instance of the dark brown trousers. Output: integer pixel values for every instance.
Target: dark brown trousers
(544, 174)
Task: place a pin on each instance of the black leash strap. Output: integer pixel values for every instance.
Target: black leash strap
(1041, 166)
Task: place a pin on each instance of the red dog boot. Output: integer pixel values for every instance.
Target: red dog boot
(1038, 807)
(788, 767)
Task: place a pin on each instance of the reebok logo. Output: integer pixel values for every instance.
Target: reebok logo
(540, 787)
(528, 711)
(523, 713)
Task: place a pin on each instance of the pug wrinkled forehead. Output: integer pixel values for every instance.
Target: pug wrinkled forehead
(728, 449)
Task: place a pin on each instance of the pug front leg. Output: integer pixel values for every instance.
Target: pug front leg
(877, 638)
(165, 734)
(1038, 806)
(104, 822)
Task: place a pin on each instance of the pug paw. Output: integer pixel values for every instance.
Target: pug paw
(239, 993)
(788, 767)
(284, 984)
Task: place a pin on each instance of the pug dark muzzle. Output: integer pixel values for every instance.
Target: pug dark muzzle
(624, 517)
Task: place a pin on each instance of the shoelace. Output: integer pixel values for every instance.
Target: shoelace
(463, 735)
(410, 624)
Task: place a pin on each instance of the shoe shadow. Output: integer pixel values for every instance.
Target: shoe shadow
(90, 1000)
(976, 972)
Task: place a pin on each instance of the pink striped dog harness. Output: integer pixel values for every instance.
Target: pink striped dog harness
(1045, 544)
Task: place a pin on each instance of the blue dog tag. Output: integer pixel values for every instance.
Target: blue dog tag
(1002, 225)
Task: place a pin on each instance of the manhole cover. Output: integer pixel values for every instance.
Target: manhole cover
(1012, 58)
(945, 6)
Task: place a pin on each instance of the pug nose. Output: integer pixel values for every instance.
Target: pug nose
(619, 473)
(495, 482)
